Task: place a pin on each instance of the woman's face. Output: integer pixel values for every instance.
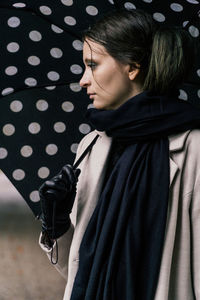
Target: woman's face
(106, 78)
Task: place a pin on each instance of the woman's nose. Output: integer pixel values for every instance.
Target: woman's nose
(85, 80)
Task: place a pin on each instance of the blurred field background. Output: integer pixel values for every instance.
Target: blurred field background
(25, 271)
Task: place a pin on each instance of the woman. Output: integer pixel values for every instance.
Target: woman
(134, 229)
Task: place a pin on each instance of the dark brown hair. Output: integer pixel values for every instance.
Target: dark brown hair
(133, 37)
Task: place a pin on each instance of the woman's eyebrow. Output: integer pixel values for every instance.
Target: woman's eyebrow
(88, 60)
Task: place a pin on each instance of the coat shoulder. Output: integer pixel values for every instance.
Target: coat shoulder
(183, 140)
(193, 140)
(192, 153)
(192, 147)
(85, 141)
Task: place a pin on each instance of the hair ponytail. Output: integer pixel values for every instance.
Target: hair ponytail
(171, 59)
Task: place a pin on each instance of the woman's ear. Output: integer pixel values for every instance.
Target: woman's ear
(134, 70)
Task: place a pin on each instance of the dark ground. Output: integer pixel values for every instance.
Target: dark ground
(25, 271)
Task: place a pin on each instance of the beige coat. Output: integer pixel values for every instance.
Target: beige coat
(179, 277)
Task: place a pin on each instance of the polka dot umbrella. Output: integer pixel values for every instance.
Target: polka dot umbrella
(42, 105)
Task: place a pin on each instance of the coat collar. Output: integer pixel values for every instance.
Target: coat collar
(176, 141)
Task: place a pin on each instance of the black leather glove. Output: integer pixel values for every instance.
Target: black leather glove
(57, 197)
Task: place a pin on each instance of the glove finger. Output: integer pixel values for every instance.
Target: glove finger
(50, 184)
(59, 180)
(55, 179)
(77, 173)
(69, 175)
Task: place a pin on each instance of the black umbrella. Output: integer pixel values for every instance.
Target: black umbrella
(42, 105)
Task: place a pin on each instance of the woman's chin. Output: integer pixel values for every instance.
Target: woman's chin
(97, 105)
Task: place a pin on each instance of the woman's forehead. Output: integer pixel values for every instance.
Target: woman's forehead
(90, 47)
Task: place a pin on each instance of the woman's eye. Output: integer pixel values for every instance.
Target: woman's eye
(92, 65)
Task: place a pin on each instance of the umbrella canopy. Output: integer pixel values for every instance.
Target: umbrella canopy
(42, 105)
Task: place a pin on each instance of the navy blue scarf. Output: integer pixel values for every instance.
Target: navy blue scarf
(121, 250)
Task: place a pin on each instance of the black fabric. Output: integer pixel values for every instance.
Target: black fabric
(115, 152)
(121, 250)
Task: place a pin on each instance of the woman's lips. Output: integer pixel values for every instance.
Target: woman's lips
(92, 95)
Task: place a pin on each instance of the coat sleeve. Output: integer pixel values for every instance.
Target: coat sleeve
(64, 242)
(195, 227)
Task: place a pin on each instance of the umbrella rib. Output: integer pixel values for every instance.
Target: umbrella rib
(40, 15)
(41, 86)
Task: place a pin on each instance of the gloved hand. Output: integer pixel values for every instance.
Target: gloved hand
(57, 197)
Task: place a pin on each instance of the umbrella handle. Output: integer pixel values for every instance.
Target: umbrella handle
(85, 152)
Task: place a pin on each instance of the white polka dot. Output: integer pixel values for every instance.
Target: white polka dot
(51, 87)
(193, 1)
(56, 29)
(45, 10)
(183, 95)
(7, 91)
(67, 2)
(129, 5)
(111, 1)
(198, 93)
(13, 47)
(185, 23)
(8, 129)
(35, 36)
(30, 81)
(34, 196)
(53, 76)
(19, 4)
(70, 21)
(159, 17)
(84, 128)
(26, 151)
(74, 147)
(91, 10)
(59, 127)
(42, 105)
(194, 31)
(34, 127)
(13, 22)
(56, 52)
(11, 70)
(198, 72)
(78, 45)
(90, 106)
(75, 87)
(33, 60)
(176, 7)
(76, 69)
(18, 174)
(3, 153)
(67, 106)
(51, 149)
(43, 172)
(16, 106)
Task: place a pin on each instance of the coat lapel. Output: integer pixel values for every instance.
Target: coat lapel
(98, 157)
(176, 143)
(93, 168)
(173, 170)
